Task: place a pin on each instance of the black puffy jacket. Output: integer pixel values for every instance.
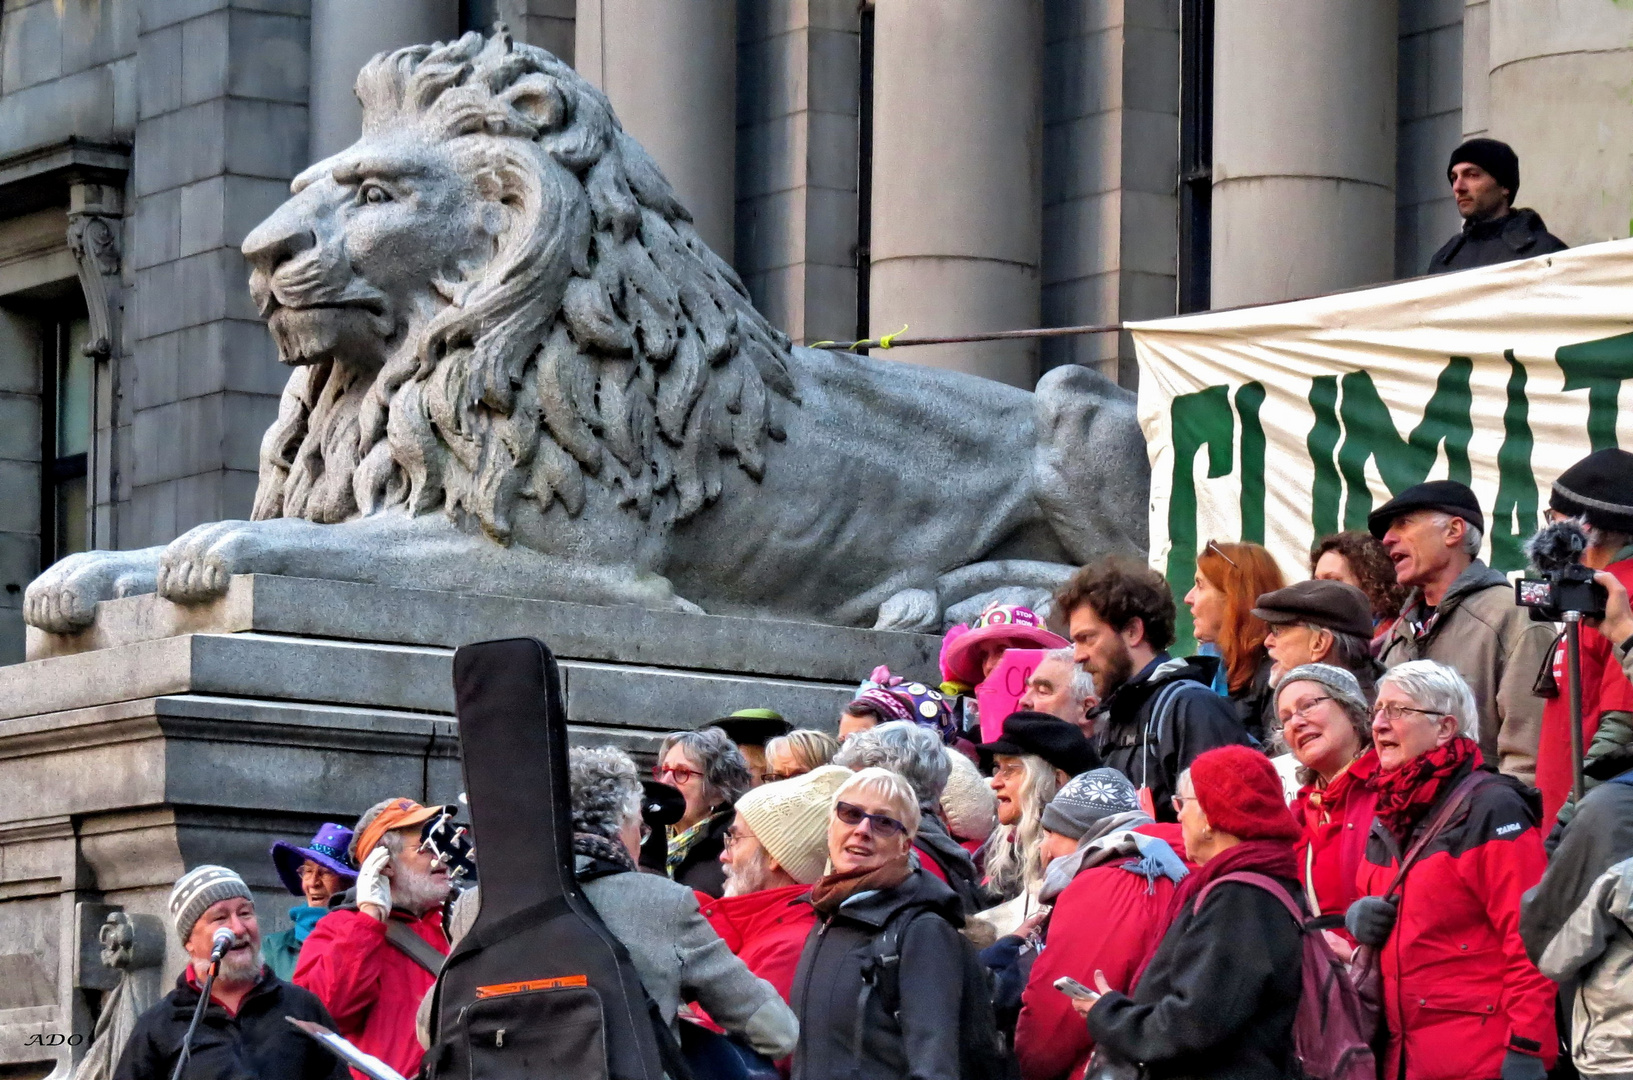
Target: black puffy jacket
(258, 1042)
(1518, 235)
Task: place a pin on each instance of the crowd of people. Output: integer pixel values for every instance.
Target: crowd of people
(1121, 879)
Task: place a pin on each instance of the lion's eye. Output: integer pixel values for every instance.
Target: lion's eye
(375, 194)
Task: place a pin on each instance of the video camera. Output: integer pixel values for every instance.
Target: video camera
(1562, 584)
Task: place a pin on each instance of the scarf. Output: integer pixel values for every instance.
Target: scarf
(1406, 794)
(680, 844)
(1148, 856)
(604, 856)
(305, 918)
(834, 889)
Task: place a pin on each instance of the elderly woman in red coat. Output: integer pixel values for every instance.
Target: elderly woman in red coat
(1327, 725)
(1461, 999)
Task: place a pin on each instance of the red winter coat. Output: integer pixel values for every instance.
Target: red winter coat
(1604, 689)
(766, 930)
(1459, 990)
(371, 988)
(1108, 919)
(1336, 821)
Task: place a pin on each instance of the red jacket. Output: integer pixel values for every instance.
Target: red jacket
(1336, 821)
(1604, 689)
(1108, 919)
(766, 930)
(369, 986)
(1459, 991)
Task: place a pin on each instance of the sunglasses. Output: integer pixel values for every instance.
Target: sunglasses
(774, 777)
(883, 824)
(1213, 546)
(680, 772)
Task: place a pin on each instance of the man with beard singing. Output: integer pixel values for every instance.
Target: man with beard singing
(242, 1032)
(370, 962)
(1156, 712)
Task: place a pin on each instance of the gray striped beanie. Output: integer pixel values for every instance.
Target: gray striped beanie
(197, 890)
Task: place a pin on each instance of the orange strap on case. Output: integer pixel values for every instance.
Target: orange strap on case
(561, 983)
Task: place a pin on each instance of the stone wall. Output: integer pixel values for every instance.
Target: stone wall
(1430, 125)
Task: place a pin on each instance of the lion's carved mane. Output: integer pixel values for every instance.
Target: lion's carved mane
(604, 337)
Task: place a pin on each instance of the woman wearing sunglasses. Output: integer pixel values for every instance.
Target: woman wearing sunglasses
(711, 773)
(909, 1022)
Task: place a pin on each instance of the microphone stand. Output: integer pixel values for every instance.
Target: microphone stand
(198, 1014)
(1573, 675)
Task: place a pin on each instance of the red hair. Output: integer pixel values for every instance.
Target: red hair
(1241, 635)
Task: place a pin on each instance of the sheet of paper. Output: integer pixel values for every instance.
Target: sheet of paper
(999, 692)
(367, 1064)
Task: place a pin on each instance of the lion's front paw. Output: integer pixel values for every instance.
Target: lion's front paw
(198, 565)
(912, 610)
(63, 599)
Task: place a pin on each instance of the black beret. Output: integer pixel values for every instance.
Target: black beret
(1496, 158)
(1446, 496)
(1054, 740)
(1598, 489)
(1336, 605)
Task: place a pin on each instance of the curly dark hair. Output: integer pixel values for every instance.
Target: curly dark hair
(1120, 590)
(1371, 565)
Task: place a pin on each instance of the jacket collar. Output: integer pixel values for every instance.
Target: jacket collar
(747, 916)
(188, 987)
(1123, 702)
(1475, 577)
(921, 889)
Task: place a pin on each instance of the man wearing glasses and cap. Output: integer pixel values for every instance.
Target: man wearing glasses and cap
(371, 962)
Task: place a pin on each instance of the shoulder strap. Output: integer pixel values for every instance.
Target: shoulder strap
(881, 972)
(413, 946)
(1261, 881)
(1457, 801)
(1160, 709)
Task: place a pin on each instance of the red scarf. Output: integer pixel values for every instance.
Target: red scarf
(1273, 857)
(1406, 794)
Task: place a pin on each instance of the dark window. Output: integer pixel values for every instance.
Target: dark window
(1195, 154)
(479, 15)
(66, 388)
(864, 178)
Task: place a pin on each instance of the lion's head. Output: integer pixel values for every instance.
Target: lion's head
(492, 294)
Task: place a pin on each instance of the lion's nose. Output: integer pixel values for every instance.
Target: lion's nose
(277, 239)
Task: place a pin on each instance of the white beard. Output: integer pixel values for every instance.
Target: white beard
(747, 874)
(418, 892)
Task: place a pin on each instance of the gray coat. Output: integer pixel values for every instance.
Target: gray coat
(1595, 948)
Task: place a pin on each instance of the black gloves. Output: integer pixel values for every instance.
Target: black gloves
(1369, 921)
(1518, 1066)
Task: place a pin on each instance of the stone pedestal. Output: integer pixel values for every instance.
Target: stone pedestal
(166, 736)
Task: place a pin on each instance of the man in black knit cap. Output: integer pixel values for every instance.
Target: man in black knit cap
(1485, 178)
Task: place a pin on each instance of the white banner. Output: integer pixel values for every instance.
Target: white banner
(1285, 422)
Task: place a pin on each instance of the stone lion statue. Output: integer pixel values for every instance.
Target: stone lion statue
(517, 370)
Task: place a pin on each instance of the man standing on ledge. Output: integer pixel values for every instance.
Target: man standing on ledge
(1485, 178)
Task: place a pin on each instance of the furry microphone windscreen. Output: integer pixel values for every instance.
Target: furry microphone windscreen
(1557, 546)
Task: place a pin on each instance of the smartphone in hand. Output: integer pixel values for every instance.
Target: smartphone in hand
(1072, 988)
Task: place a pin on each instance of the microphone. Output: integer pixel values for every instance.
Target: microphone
(1557, 546)
(223, 941)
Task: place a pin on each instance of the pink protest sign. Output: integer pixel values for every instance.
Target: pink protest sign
(999, 692)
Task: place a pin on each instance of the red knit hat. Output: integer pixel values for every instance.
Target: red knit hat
(1240, 792)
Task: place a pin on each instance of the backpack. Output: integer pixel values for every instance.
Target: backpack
(981, 1052)
(1332, 1030)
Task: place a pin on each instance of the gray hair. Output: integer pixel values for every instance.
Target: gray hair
(725, 770)
(1014, 855)
(1344, 687)
(605, 789)
(1472, 536)
(892, 786)
(807, 746)
(1353, 653)
(392, 841)
(1438, 689)
(1082, 681)
(905, 748)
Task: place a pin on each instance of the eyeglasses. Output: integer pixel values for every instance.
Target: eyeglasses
(733, 837)
(1009, 769)
(1393, 712)
(646, 833)
(883, 824)
(1213, 546)
(1303, 711)
(1181, 800)
(773, 777)
(680, 772)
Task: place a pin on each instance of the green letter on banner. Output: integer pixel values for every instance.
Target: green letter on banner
(1370, 432)
(1248, 400)
(1514, 517)
(1599, 367)
(1322, 441)
(1197, 420)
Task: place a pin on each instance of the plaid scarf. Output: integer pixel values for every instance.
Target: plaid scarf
(1406, 794)
(682, 843)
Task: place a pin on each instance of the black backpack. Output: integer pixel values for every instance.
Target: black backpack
(981, 1051)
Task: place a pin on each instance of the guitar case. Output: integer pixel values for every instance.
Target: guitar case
(538, 987)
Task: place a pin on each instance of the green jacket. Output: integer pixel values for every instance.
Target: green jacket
(280, 950)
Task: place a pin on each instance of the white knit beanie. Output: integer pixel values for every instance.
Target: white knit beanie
(967, 802)
(790, 817)
(197, 890)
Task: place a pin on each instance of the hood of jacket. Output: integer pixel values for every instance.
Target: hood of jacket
(1476, 577)
(922, 889)
(933, 836)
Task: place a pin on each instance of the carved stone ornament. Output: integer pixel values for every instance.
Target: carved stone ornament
(94, 242)
(517, 370)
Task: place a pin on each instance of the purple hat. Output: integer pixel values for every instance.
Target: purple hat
(327, 849)
(899, 699)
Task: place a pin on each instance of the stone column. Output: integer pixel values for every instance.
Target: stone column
(345, 35)
(957, 178)
(670, 69)
(1304, 147)
(1559, 97)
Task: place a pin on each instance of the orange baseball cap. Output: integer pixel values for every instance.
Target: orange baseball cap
(398, 814)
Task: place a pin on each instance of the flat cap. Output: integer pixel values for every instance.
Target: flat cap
(1446, 496)
(1335, 605)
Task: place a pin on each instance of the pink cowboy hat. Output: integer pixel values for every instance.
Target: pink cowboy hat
(1002, 626)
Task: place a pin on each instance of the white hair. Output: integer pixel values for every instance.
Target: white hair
(903, 747)
(888, 785)
(1439, 689)
(1472, 536)
(1082, 681)
(1013, 858)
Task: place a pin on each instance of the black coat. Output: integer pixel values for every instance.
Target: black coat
(258, 1042)
(921, 1042)
(1518, 235)
(1219, 996)
(1194, 719)
(701, 869)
